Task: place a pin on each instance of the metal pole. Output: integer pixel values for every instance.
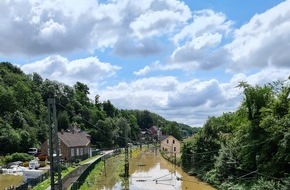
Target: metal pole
(126, 153)
(55, 169)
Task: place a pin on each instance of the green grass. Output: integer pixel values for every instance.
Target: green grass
(46, 183)
(43, 185)
(89, 159)
(94, 176)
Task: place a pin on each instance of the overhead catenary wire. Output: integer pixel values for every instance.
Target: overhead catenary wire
(251, 172)
(93, 125)
(235, 148)
(158, 180)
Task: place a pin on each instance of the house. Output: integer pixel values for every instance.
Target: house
(154, 132)
(170, 144)
(74, 144)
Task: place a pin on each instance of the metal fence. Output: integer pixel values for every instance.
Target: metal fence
(30, 182)
(34, 181)
(79, 182)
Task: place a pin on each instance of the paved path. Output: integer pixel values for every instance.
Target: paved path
(74, 175)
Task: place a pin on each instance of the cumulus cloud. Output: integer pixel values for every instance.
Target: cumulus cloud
(89, 70)
(173, 99)
(198, 44)
(190, 102)
(34, 27)
(263, 41)
(129, 47)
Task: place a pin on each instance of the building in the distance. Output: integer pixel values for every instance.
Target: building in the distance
(74, 144)
(154, 132)
(170, 145)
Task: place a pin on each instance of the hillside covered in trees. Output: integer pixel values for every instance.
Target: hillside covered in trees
(248, 148)
(23, 113)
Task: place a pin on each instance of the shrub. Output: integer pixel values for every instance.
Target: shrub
(266, 184)
(18, 157)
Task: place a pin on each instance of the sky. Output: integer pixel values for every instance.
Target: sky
(182, 60)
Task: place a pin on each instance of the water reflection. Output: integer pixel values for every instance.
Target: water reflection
(148, 171)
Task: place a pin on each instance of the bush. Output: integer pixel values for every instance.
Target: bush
(211, 177)
(24, 157)
(2, 161)
(232, 186)
(266, 184)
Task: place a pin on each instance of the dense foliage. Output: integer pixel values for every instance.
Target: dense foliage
(249, 148)
(23, 113)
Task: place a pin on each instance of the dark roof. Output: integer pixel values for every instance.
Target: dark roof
(162, 137)
(170, 136)
(75, 139)
(153, 128)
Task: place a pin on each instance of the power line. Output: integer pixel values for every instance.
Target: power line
(235, 148)
(90, 122)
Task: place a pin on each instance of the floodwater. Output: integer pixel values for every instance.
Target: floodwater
(148, 171)
(8, 179)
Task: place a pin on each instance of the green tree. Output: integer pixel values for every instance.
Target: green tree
(18, 120)
(81, 93)
(9, 138)
(63, 120)
(25, 140)
(174, 130)
(256, 99)
(7, 101)
(109, 108)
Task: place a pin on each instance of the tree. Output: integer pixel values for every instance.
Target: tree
(18, 120)
(63, 120)
(25, 140)
(7, 101)
(9, 138)
(109, 108)
(256, 99)
(174, 130)
(81, 93)
(37, 79)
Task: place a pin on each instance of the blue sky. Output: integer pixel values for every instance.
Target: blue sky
(179, 59)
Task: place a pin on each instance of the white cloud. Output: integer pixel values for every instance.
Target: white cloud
(190, 102)
(195, 41)
(65, 25)
(187, 102)
(89, 70)
(264, 41)
(204, 22)
(198, 44)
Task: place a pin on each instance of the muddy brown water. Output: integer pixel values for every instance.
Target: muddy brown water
(148, 171)
(8, 180)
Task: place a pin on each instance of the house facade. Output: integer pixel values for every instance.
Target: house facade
(170, 145)
(72, 144)
(154, 132)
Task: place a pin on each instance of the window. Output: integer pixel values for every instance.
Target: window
(78, 151)
(167, 141)
(72, 152)
(174, 149)
(173, 141)
(81, 152)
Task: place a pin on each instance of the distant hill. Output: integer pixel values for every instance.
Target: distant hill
(23, 113)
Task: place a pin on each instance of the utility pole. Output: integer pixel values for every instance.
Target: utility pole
(55, 169)
(104, 159)
(126, 153)
(174, 163)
